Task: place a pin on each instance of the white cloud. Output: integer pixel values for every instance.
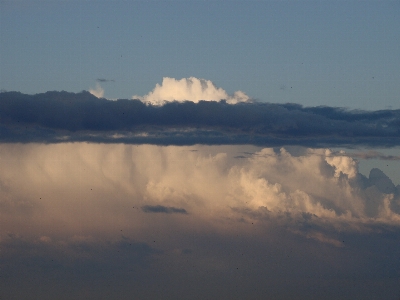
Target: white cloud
(98, 91)
(192, 89)
(342, 164)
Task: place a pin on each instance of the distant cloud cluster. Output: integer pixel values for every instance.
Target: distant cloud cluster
(189, 89)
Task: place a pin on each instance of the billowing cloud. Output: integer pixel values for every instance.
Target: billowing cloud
(189, 89)
(172, 180)
(114, 215)
(98, 91)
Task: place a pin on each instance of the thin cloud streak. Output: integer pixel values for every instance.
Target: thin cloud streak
(104, 80)
(374, 155)
(163, 209)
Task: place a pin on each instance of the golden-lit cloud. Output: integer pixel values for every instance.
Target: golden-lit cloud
(189, 89)
(98, 189)
(125, 213)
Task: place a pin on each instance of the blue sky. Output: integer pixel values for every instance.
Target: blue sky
(335, 53)
(164, 198)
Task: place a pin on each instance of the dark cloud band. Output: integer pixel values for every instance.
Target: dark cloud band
(62, 116)
(104, 80)
(163, 209)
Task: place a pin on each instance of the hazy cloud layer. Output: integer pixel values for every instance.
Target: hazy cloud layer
(189, 89)
(62, 116)
(98, 221)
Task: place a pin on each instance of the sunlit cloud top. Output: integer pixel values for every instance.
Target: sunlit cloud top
(189, 89)
(98, 91)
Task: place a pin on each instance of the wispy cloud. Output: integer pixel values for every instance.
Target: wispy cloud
(98, 91)
(371, 154)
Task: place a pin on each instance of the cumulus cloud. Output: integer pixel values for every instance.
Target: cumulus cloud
(208, 183)
(189, 89)
(98, 91)
(143, 216)
(342, 163)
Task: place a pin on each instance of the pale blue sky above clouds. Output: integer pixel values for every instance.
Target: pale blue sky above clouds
(334, 53)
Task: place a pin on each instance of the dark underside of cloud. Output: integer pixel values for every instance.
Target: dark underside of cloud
(62, 116)
(163, 209)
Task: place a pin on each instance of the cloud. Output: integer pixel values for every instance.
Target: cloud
(163, 209)
(371, 154)
(382, 181)
(98, 91)
(63, 116)
(104, 80)
(172, 180)
(296, 216)
(189, 89)
(342, 163)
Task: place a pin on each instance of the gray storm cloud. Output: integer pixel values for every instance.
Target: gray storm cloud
(189, 89)
(61, 116)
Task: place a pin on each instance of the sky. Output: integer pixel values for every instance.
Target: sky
(335, 53)
(199, 150)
